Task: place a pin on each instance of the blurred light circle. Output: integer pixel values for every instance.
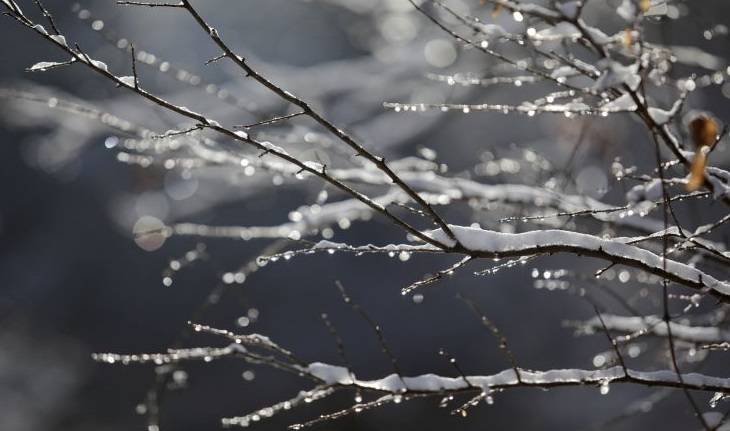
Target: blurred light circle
(397, 27)
(440, 53)
(180, 186)
(149, 233)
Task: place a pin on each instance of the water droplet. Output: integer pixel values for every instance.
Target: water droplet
(599, 361)
(624, 276)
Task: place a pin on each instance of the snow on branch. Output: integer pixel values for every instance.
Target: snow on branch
(485, 243)
(655, 325)
(332, 377)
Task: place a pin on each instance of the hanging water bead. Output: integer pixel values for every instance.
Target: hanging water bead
(248, 375)
(417, 298)
(599, 360)
(624, 276)
(605, 388)
(446, 400)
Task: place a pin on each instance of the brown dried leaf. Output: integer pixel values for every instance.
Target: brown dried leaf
(628, 37)
(697, 170)
(703, 129)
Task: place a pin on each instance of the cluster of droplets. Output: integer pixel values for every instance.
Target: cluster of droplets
(252, 315)
(357, 408)
(268, 412)
(529, 165)
(445, 401)
(154, 150)
(570, 109)
(287, 255)
(522, 260)
(467, 79)
(551, 279)
(207, 354)
(494, 167)
(151, 143)
(175, 265)
(159, 64)
(485, 395)
(135, 159)
(237, 277)
(693, 301)
(609, 358)
(332, 248)
(626, 275)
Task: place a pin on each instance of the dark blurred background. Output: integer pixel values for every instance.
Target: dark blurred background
(73, 281)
